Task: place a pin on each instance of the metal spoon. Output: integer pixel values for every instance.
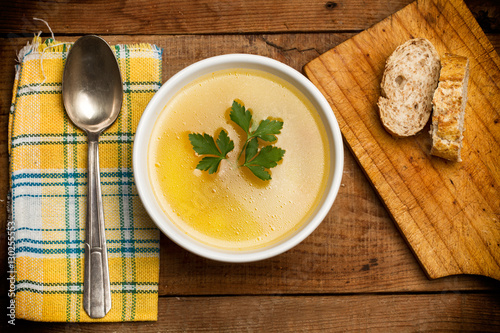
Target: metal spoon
(92, 94)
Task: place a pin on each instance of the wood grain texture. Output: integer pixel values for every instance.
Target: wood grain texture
(193, 17)
(355, 272)
(354, 249)
(448, 212)
(373, 313)
(146, 17)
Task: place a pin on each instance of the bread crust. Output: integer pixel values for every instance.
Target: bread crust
(408, 83)
(449, 103)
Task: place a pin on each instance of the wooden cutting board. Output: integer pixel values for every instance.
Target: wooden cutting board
(449, 213)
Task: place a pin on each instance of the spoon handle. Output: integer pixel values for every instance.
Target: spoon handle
(96, 286)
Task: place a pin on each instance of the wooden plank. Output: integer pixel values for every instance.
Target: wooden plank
(207, 17)
(355, 250)
(374, 313)
(193, 17)
(448, 212)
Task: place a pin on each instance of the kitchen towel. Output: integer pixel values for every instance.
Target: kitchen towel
(48, 197)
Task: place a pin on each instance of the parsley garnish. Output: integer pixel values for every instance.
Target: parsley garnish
(256, 159)
(205, 145)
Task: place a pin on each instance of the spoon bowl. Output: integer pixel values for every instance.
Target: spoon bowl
(92, 85)
(92, 95)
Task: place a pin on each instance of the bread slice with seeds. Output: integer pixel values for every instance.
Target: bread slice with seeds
(449, 101)
(410, 77)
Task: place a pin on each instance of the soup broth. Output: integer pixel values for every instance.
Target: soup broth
(233, 209)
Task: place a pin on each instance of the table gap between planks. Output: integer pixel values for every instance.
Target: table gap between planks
(355, 272)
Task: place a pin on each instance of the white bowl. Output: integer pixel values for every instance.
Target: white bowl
(176, 83)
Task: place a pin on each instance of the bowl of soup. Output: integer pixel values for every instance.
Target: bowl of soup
(230, 212)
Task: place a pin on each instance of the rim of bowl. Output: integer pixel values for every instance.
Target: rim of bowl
(176, 83)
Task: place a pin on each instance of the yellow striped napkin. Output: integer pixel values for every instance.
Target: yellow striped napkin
(48, 160)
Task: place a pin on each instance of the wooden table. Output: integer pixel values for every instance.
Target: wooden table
(355, 272)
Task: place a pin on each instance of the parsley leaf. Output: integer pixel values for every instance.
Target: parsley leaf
(205, 145)
(256, 160)
(251, 150)
(225, 144)
(242, 117)
(209, 163)
(268, 157)
(266, 130)
(259, 171)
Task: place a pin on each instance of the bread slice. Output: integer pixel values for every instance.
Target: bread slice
(449, 101)
(410, 78)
